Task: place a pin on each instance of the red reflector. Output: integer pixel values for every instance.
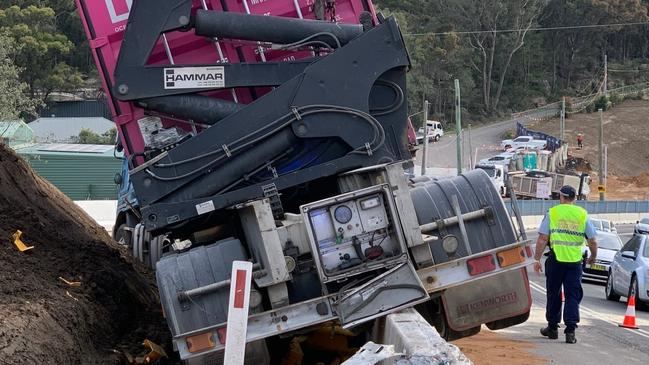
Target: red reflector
(528, 250)
(481, 265)
(240, 288)
(221, 333)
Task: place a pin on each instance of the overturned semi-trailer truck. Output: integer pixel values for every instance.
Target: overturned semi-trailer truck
(275, 132)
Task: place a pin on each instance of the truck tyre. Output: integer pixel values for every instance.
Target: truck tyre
(435, 315)
(508, 322)
(436, 138)
(123, 236)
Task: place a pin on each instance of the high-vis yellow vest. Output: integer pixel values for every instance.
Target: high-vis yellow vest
(567, 231)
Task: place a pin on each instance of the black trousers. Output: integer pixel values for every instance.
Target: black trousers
(568, 275)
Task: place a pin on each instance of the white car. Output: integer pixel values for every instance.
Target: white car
(524, 141)
(642, 226)
(500, 159)
(608, 244)
(603, 225)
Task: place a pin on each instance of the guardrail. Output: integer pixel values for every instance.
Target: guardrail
(540, 207)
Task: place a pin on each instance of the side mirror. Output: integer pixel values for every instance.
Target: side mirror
(628, 255)
(118, 179)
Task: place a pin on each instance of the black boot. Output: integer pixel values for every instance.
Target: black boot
(551, 333)
(570, 337)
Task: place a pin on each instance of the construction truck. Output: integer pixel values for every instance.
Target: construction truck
(275, 133)
(535, 184)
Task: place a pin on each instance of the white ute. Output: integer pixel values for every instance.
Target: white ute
(523, 141)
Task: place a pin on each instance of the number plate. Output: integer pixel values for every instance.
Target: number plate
(598, 267)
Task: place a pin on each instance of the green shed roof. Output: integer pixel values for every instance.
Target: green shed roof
(82, 172)
(16, 133)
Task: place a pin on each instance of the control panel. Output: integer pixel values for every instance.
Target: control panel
(350, 234)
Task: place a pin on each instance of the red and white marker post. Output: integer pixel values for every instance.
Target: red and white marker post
(237, 327)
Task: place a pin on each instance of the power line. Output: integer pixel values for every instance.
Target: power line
(539, 29)
(620, 70)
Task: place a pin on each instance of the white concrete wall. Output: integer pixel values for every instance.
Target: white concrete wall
(533, 221)
(104, 212)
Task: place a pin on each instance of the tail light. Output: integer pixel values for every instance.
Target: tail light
(200, 342)
(481, 265)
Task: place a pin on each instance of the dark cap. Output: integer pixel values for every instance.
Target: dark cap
(568, 191)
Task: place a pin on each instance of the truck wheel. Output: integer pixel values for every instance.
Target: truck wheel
(435, 315)
(508, 322)
(436, 138)
(123, 236)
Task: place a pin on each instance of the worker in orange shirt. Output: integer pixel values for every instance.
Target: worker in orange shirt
(580, 140)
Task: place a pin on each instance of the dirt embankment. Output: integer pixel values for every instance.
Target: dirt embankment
(626, 133)
(42, 319)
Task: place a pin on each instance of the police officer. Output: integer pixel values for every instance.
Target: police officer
(565, 227)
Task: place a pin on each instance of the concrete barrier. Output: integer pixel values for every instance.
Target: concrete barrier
(104, 212)
(533, 221)
(412, 340)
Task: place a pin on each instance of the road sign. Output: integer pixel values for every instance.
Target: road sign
(235, 342)
(601, 188)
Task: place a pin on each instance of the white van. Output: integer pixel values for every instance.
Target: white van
(435, 132)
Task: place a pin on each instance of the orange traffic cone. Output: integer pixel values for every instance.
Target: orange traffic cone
(629, 318)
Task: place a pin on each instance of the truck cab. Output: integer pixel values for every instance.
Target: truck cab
(435, 131)
(496, 174)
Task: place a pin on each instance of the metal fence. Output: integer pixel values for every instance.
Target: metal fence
(580, 103)
(540, 207)
(553, 142)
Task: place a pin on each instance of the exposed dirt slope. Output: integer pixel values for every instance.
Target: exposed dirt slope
(43, 320)
(626, 132)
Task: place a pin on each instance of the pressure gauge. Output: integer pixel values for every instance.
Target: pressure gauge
(343, 214)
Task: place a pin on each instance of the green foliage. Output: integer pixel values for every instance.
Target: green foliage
(13, 100)
(41, 48)
(86, 136)
(525, 67)
(509, 134)
(603, 103)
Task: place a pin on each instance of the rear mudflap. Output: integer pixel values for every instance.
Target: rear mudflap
(487, 300)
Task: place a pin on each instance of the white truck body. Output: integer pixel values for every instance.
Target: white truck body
(500, 159)
(435, 132)
(523, 141)
(496, 172)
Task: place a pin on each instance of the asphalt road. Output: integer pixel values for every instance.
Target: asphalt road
(600, 340)
(486, 139)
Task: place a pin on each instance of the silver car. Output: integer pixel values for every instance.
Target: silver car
(608, 245)
(642, 226)
(603, 225)
(629, 272)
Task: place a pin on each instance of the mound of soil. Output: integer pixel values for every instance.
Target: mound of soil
(42, 319)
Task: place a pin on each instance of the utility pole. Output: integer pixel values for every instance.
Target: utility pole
(605, 75)
(602, 195)
(458, 126)
(424, 156)
(471, 164)
(562, 122)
